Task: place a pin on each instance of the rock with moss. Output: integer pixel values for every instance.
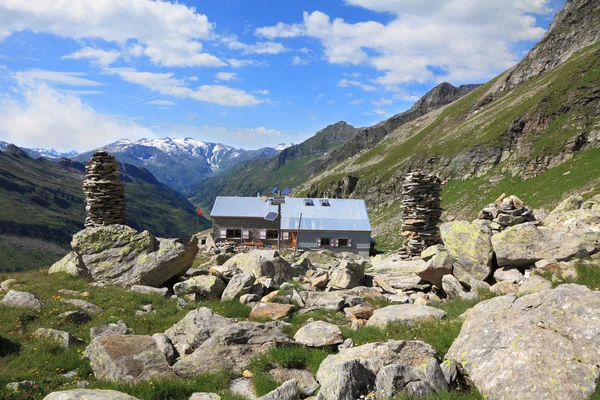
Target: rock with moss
(439, 263)
(260, 264)
(62, 338)
(581, 220)
(469, 245)
(119, 255)
(127, 359)
(526, 244)
(533, 284)
(71, 264)
(18, 299)
(319, 334)
(357, 371)
(119, 328)
(89, 394)
(205, 287)
(238, 286)
(571, 203)
(552, 337)
(323, 259)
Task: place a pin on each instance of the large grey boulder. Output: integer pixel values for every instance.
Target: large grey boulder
(149, 290)
(259, 264)
(439, 263)
(62, 338)
(353, 372)
(455, 290)
(71, 264)
(204, 396)
(401, 379)
(89, 394)
(306, 381)
(544, 345)
(17, 299)
(127, 358)
(120, 328)
(238, 286)
(83, 305)
(323, 259)
(194, 329)
(119, 255)
(232, 346)
(289, 390)
(205, 287)
(532, 285)
(405, 314)
(327, 300)
(319, 334)
(347, 275)
(397, 273)
(470, 246)
(525, 244)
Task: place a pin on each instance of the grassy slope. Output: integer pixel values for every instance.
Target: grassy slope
(40, 199)
(457, 128)
(23, 357)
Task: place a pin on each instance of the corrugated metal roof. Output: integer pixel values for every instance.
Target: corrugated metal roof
(340, 215)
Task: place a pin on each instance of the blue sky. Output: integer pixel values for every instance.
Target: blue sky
(248, 73)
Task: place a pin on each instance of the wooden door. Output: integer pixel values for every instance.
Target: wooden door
(294, 239)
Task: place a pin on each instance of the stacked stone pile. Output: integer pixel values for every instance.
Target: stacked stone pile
(105, 193)
(421, 213)
(505, 212)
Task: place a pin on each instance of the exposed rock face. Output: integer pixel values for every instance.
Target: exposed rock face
(119, 255)
(421, 212)
(104, 192)
(319, 334)
(470, 247)
(89, 394)
(17, 299)
(353, 372)
(194, 329)
(551, 337)
(127, 358)
(232, 346)
(525, 244)
(205, 287)
(405, 314)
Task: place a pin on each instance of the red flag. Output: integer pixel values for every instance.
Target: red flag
(200, 213)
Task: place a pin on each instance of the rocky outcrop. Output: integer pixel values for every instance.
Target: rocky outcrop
(119, 255)
(551, 337)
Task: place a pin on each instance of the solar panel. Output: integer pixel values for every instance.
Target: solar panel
(286, 192)
(278, 200)
(274, 190)
(272, 216)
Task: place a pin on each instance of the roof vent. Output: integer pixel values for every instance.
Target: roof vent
(324, 202)
(308, 202)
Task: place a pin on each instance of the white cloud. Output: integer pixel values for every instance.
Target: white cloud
(98, 56)
(247, 138)
(463, 40)
(40, 116)
(263, 92)
(299, 61)
(82, 92)
(168, 33)
(56, 77)
(381, 102)
(350, 82)
(226, 76)
(356, 102)
(379, 111)
(256, 48)
(331, 102)
(167, 84)
(235, 63)
(161, 103)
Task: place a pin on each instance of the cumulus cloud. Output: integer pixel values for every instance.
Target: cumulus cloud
(169, 34)
(98, 56)
(167, 84)
(299, 61)
(456, 40)
(226, 76)
(38, 115)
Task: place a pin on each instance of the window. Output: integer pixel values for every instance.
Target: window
(245, 234)
(223, 233)
(271, 234)
(324, 202)
(308, 202)
(234, 233)
(344, 242)
(203, 242)
(323, 242)
(285, 235)
(262, 234)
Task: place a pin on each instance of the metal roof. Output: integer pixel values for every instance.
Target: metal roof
(341, 215)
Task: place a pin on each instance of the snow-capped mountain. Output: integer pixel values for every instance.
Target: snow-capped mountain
(180, 163)
(38, 152)
(282, 146)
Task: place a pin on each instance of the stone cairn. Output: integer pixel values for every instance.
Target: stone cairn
(421, 213)
(505, 212)
(104, 192)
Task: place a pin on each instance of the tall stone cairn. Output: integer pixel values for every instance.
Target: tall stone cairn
(104, 192)
(421, 213)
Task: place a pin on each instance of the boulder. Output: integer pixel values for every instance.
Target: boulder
(120, 328)
(194, 329)
(353, 372)
(89, 394)
(289, 390)
(398, 273)
(307, 383)
(165, 346)
(508, 274)
(320, 282)
(62, 338)
(18, 386)
(83, 305)
(327, 300)
(585, 219)
(406, 380)
(319, 334)
(552, 337)
(272, 311)
(232, 346)
(526, 244)
(532, 285)
(204, 396)
(405, 314)
(127, 358)
(71, 264)
(119, 255)
(17, 299)
(238, 286)
(469, 245)
(346, 275)
(149, 290)
(243, 388)
(455, 290)
(324, 259)
(7, 284)
(75, 317)
(504, 287)
(439, 263)
(571, 203)
(361, 311)
(205, 287)
(259, 264)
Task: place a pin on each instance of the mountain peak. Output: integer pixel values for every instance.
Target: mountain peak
(15, 152)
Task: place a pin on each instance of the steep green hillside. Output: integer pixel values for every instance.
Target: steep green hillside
(42, 205)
